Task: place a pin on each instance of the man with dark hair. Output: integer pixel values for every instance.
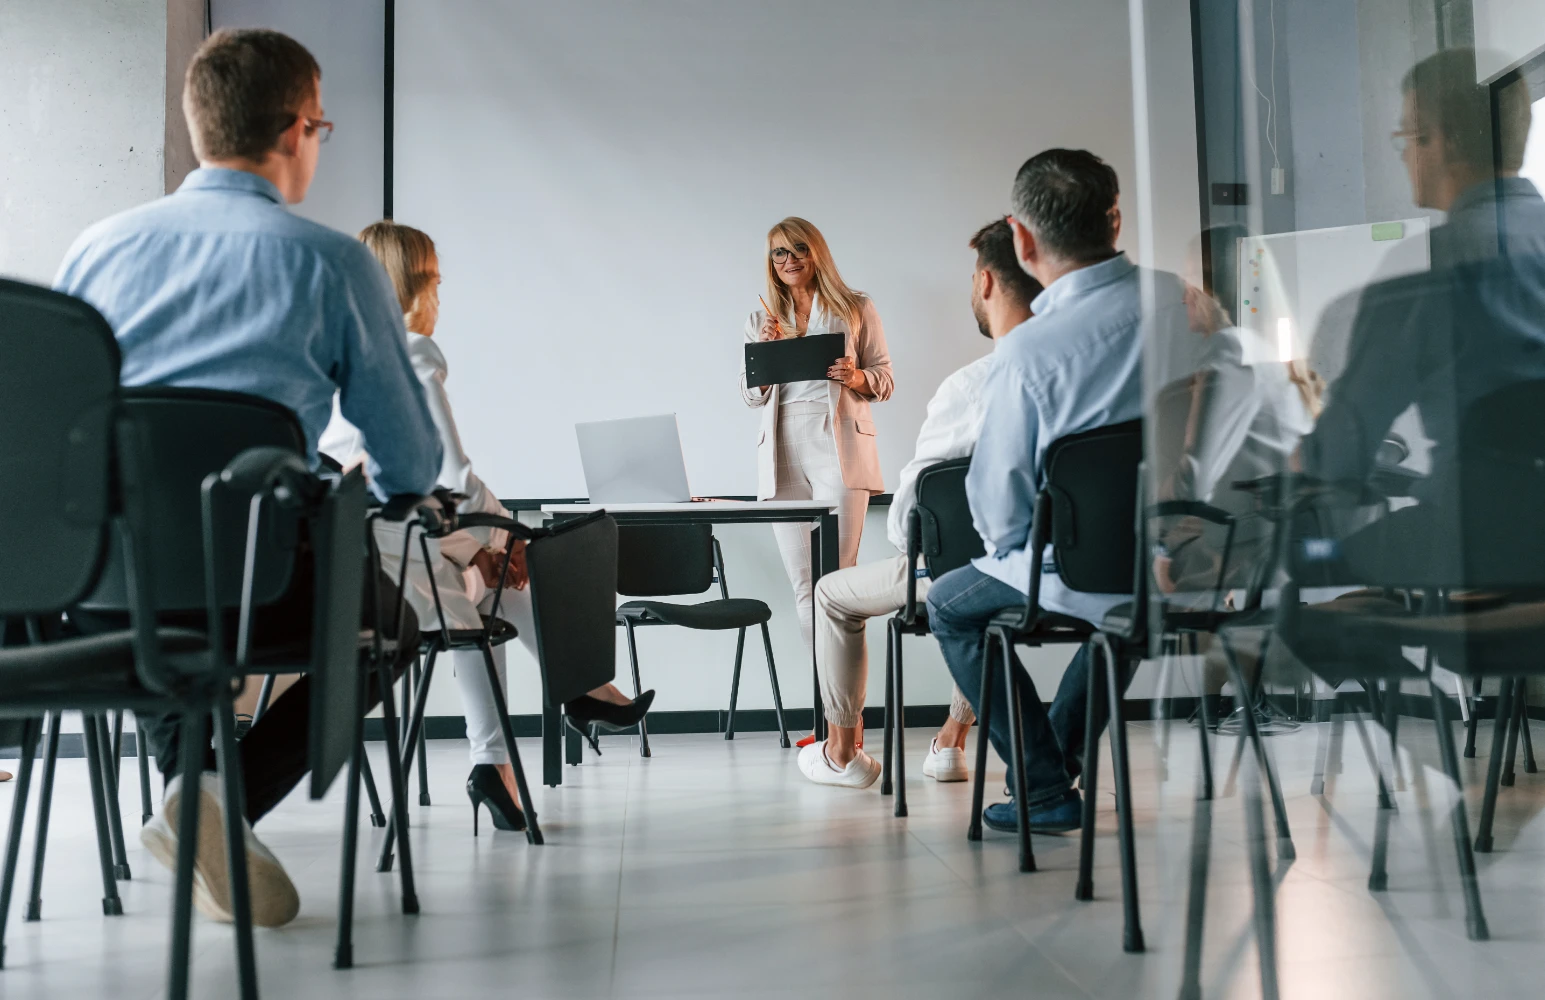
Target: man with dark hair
(219, 286)
(1077, 364)
(1001, 298)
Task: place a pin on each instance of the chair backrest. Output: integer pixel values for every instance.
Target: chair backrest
(58, 399)
(574, 605)
(1500, 517)
(949, 538)
(338, 540)
(666, 559)
(185, 435)
(1091, 479)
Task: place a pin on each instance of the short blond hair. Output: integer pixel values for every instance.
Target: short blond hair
(406, 253)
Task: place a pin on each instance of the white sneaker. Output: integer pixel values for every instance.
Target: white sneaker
(948, 764)
(274, 899)
(861, 771)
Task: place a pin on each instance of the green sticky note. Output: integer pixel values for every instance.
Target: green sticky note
(1388, 231)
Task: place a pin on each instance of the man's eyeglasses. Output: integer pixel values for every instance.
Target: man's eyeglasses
(1405, 140)
(781, 254)
(315, 125)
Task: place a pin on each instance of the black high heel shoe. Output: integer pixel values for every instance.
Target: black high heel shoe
(486, 788)
(588, 712)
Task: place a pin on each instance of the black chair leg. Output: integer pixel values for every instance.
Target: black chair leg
(1090, 772)
(265, 695)
(1132, 934)
(31, 729)
(117, 745)
(1374, 763)
(399, 787)
(411, 744)
(1196, 900)
(421, 742)
(1264, 891)
(1470, 726)
(898, 718)
(142, 751)
(1017, 745)
(40, 831)
(638, 688)
(343, 952)
(112, 905)
(1204, 726)
(1321, 755)
(114, 806)
(1514, 724)
(228, 760)
(740, 652)
(195, 737)
(1285, 849)
(983, 719)
(1475, 917)
(533, 831)
(772, 676)
(377, 817)
(1483, 838)
(891, 642)
(1523, 727)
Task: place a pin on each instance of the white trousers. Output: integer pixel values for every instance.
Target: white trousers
(845, 601)
(484, 732)
(807, 469)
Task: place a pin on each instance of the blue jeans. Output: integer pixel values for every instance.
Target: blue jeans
(960, 604)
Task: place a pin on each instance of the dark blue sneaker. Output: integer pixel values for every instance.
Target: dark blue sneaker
(1059, 817)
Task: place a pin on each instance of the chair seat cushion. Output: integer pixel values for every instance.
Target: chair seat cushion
(93, 664)
(727, 613)
(1050, 626)
(501, 633)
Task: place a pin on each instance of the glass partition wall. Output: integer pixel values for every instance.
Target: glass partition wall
(1345, 493)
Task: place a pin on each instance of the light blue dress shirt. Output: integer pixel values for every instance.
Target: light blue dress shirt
(1077, 364)
(220, 286)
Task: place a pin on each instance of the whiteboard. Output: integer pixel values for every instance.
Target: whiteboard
(600, 178)
(1299, 290)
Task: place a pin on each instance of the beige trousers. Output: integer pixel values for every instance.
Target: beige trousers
(844, 602)
(808, 470)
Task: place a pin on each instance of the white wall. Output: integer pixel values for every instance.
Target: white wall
(1507, 33)
(82, 121)
(599, 179)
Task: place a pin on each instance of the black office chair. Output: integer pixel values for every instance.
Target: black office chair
(245, 530)
(667, 560)
(71, 469)
(940, 532)
(1087, 511)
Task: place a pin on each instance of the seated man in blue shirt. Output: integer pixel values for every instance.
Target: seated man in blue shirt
(219, 286)
(1075, 365)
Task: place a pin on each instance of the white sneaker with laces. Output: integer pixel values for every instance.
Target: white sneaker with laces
(274, 899)
(948, 764)
(861, 771)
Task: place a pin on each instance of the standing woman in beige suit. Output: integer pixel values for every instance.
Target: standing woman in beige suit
(817, 438)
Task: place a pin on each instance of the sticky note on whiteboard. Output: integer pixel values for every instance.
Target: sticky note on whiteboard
(1382, 231)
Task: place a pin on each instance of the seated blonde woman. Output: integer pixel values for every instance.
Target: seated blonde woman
(466, 563)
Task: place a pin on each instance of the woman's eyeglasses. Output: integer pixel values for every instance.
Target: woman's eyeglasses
(781, 254)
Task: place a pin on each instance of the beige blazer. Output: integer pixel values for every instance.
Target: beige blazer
(854, 429)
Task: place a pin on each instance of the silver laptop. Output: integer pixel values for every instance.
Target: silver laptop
(637, 460)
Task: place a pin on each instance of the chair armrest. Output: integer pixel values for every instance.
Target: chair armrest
(509, 524)
(277, 471)
(1189, 508)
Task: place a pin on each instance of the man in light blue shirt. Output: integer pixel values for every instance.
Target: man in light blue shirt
(1077, 364)
(219, 286)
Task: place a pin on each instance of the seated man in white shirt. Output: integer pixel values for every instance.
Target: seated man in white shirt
(1001, 294)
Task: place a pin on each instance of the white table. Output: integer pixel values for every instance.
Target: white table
(823, 559)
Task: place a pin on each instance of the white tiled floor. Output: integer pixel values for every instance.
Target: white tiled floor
(715, 870)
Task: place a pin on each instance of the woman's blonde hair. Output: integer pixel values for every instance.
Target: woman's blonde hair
(836, 296)
(406, 253)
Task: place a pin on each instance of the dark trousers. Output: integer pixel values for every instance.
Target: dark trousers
(275, 751)
(960, 604)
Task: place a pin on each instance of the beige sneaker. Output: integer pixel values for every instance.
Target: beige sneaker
(274, 899)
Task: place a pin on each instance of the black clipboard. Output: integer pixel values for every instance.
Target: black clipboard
(795, 359)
